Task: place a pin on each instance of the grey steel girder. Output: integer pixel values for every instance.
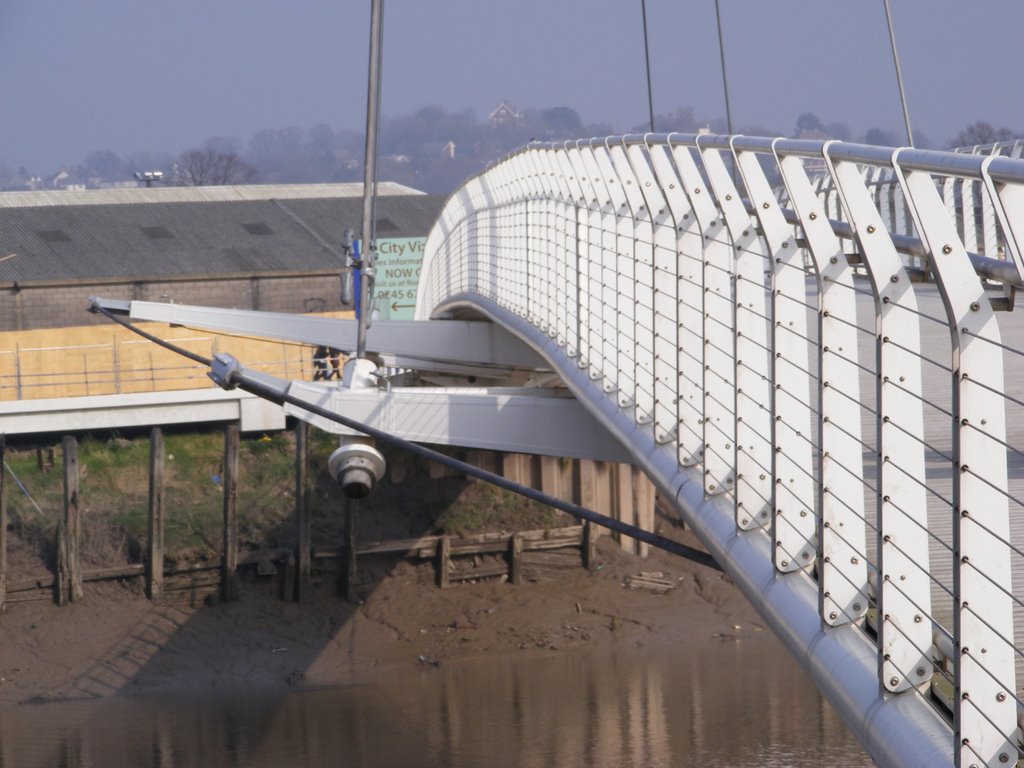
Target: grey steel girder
(545, 421)
(440, 341)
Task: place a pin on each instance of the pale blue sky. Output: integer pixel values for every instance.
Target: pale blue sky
(138, 75)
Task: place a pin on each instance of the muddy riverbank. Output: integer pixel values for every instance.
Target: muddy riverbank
(115, 640)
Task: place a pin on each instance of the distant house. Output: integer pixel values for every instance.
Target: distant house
(445, 149)
(505, 113)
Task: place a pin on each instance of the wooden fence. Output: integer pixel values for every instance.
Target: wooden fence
(294, 567)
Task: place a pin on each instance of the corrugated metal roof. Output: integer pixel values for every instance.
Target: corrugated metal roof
(195, 237)
(137, 195)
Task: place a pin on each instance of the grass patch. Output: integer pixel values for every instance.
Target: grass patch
(115, 488)
(484, 507)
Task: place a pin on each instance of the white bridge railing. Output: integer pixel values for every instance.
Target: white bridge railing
(831, 400)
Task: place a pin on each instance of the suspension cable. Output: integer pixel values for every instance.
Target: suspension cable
(647, 63)
(899, 74)
(725, 79)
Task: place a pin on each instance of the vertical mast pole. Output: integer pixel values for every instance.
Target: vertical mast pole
(369, 246)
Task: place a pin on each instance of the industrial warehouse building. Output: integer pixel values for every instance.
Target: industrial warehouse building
(269, 247)
(273, 248)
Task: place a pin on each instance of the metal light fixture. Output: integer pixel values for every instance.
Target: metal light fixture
(149, 177)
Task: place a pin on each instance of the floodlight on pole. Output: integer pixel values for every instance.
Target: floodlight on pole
(148, 177)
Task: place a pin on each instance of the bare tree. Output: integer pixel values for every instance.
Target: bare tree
(980, 133)
(207, 167)
(231, 169)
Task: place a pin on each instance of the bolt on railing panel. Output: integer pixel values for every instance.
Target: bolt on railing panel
(779, 345)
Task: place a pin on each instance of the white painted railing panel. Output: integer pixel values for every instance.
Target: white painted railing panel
(765, 351)
(689, 277)
(902, 575)
(843, 576)
(983, 609)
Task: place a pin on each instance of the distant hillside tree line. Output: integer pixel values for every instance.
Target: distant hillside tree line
(431, 149)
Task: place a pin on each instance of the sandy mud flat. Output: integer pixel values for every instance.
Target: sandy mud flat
(115, 640)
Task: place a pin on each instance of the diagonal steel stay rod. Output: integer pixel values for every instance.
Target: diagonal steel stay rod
(899, 74)
(647, 63)
(725, 79)
(235, 376)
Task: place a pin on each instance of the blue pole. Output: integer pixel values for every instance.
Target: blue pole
(357, 278)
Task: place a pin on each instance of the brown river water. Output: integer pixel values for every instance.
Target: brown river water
(712, 704)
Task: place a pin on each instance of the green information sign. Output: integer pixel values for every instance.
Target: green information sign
(399, 260)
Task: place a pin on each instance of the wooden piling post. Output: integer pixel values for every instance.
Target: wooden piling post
(488, 460)
(551, 476)
(60, 583)
(590, 531)
(303, 500)
(229, 577)
(155, 538)
(289, 590)
(644, 498)
(3, 521)
(348, 559)
(515, 547)
(596, 487)
(444, 552)
(517, 467)
(622, 489)
(69, 530)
